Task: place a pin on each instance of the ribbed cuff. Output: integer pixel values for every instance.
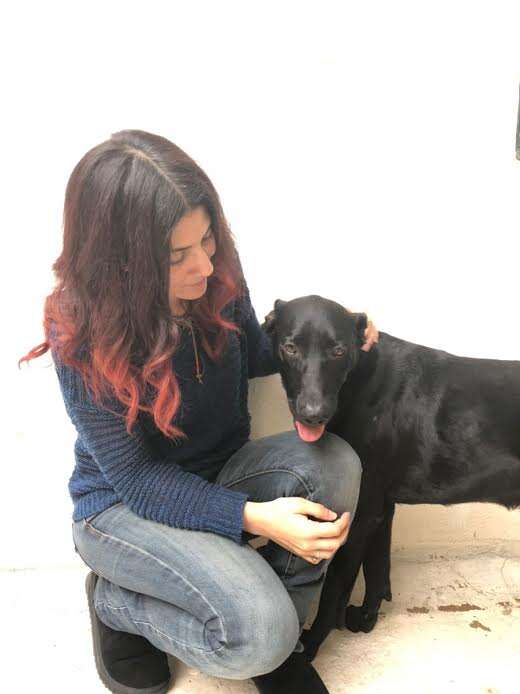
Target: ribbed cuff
(224, 514)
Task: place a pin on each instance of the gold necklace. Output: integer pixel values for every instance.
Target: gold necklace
(188, 322)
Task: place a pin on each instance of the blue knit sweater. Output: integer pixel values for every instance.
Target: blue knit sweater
(158, 479)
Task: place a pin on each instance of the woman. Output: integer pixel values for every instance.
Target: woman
(153, 338)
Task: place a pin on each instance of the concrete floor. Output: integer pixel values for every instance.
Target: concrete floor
(454, 626)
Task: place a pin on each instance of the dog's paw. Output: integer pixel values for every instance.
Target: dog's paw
(357, 619)
(388, 595)
(310, 648)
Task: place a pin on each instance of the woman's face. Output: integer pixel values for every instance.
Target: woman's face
(192, 243)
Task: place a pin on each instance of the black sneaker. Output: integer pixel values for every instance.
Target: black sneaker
(126, 663)
(294, 676)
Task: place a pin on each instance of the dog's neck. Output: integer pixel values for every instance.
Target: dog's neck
(380, 364)
(366, 363)
(366, 366)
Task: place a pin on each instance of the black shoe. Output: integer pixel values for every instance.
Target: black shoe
(126, 663)
(294, 676)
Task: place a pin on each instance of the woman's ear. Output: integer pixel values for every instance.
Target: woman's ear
(269, 323)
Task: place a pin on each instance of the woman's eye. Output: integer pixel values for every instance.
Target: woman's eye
(290, 349)
(338, 351)
(205, 239)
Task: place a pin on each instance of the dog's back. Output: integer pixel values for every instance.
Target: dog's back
(441, 428)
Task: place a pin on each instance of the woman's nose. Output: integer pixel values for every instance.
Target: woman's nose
(204, 265)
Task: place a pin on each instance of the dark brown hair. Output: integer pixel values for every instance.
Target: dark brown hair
(110, 303)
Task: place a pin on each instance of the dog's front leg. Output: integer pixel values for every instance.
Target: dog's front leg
(339, 581)
(376, 569)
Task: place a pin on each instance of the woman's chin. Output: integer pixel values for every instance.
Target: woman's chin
(191, 294)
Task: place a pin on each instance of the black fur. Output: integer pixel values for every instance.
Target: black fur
(428, 426)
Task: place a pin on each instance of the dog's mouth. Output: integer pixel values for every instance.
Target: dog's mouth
(309, 433)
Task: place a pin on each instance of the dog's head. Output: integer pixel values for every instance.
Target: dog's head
(317, 343)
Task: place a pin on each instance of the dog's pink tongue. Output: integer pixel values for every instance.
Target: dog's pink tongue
(307, 433)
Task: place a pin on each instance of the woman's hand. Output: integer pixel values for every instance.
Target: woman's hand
(285, 521)
(371, 336)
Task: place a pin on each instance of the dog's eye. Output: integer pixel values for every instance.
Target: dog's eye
(338, 352)
(290, 349)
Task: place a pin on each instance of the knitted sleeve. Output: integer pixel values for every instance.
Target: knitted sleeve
(260, 358)
(154, 489)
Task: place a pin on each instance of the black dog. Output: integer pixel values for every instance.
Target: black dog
(428, 426)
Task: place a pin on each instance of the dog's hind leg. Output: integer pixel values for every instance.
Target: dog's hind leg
(376, 569)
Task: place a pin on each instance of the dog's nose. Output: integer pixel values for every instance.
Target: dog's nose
(312, 414)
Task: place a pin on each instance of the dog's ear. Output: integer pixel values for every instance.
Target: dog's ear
(361, 323)
(269, 323)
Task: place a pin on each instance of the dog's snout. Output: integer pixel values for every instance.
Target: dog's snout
(312, 413)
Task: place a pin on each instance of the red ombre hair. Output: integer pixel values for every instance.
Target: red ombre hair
(109, 315)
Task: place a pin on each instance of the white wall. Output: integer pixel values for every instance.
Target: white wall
(362, 151)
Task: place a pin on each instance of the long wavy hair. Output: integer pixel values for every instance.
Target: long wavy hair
(109, 315)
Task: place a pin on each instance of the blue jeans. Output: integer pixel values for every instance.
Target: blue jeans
(226, 609)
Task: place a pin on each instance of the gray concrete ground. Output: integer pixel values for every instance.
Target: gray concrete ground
(453, 626)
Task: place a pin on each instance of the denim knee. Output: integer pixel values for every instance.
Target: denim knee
(261, 633)
(337, 476)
